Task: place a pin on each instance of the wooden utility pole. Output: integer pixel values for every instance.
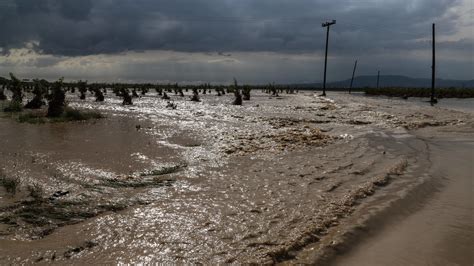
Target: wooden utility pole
(327, 25)
(433, 70)
(353, 73)
(378, 79)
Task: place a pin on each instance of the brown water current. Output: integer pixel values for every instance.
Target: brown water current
(277, 180)
(436, 226)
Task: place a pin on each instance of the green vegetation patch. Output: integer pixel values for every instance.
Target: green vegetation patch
(13, 107)
(76, 115)
(69, 115)
(421, 92)
(32, 118)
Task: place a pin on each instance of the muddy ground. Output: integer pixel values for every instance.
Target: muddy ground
(206, 182)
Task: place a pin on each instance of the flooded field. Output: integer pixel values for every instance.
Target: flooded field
(273, 181)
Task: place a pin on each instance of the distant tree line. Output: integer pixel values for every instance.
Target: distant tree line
(53, 94)
(421, 92)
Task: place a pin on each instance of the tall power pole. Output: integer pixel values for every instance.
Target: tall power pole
(353, 73)
(378, 79)
(433, 69)
(327, 25)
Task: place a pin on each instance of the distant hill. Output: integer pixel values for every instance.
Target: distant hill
(392, 81)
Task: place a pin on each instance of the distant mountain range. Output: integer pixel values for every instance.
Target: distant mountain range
(392, 81)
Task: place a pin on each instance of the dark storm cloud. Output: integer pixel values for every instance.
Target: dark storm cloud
(83, 27)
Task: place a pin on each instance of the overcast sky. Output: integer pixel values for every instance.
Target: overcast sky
(256, 41)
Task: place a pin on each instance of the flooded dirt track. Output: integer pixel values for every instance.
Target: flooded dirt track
(206, 182)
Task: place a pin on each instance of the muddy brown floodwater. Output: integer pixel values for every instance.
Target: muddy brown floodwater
(290, 179)
(435, 227)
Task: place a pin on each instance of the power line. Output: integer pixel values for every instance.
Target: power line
(300, 20)
(243, 20)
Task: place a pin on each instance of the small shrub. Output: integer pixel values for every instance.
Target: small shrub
(76, 115)
(73, 114)
(10, 184)
(31, 118)
(127, 99)
(246, 93)
(68, 115)
(36, 192)
(2, 93)
(134, 93)
(159, 91)
(171, 105)
(39, 91)
(57, 99)
(238, 96)
(82, 87)
(99, 95)
(195, 97)
(35, 103)
(13, 107)
(16, 89)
